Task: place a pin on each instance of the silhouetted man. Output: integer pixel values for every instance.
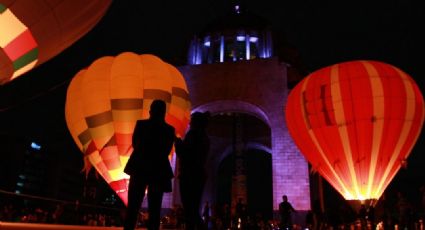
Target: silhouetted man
(193, 153)
(285, 211)
(149, 166)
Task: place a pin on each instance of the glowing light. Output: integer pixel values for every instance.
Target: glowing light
(240, 38)
(221, 48)
(253, 39)
(237, 9)
(35, 146)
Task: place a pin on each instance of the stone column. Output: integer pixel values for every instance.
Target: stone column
(290, 169)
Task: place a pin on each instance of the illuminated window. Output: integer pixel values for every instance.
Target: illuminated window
(253, 47)
(230, 48)
(35, 146)
(206, 50)
(253, 39)
(240, 38)
(235, 48)
(216, 54)
(207, 42)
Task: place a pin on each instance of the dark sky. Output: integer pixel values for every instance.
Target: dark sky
(325, 32)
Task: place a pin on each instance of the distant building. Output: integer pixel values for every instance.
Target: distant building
(30, 168)
(237, 72)
(12, 155)
(32, 175)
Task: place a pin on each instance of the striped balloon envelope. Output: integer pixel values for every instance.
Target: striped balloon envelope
(104, 101)
(356, 123)
(32, 32)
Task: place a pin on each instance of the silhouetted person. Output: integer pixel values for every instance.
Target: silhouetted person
(227, 216)
(318, 215)
(206, 214)
(362, 215)
(285, 211)
(403, 210)
(422, 205)
(309, 220)
(149, 166)
(192, 153)
(240, 212)
(371, 216)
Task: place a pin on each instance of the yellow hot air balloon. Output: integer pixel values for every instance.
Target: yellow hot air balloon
(105, 100)
(32, 32)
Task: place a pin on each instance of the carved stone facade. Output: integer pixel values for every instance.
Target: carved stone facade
(257, 88)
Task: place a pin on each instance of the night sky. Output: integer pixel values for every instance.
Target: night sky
(324, 32)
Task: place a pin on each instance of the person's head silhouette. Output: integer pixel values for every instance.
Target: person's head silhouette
(157, 110)
(199, 120)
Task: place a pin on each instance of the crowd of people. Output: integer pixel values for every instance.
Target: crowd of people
(222, 217)
(398, 213)
(394, 210)
(150, 169)
(24, 211)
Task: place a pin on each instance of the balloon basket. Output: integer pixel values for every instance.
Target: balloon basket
(357, 204)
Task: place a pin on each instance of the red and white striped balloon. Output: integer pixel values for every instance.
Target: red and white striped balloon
(356, 122)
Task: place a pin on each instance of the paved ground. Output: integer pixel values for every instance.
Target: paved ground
(31, 226)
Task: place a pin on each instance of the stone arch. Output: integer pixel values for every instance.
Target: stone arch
(226, 106)
(249, 145)
(263, 203)
(223, 108)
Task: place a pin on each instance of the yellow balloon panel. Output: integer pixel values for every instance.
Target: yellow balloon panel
(76, 122)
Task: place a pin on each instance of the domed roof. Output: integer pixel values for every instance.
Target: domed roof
(236, 19)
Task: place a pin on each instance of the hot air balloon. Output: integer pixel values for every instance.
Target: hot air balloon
(104, 101)
(356, 123)
(32, 32)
